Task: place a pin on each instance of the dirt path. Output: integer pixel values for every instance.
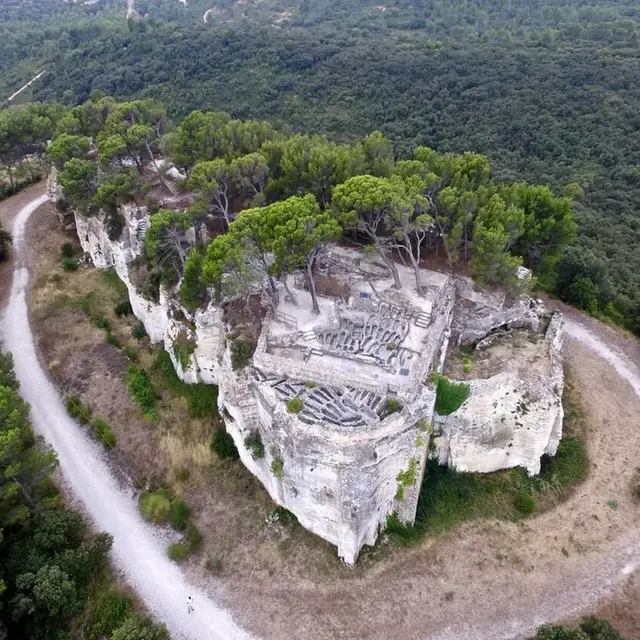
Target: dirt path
(485, 580)
(138, 549)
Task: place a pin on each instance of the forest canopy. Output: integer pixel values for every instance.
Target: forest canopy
(548, 91)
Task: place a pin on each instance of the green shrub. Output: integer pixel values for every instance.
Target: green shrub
(108, 613)
(406, 478)
(155, 506)
(142, 392)
(394, 405)
(295, 405)
(467, 364)
(254, 443)
(193, 537)
(283, 516)
(450, 396)
(598, 629)
(77, 410)
(192, 289)
(402, 534)
(73, 405)
(101, 322)
(180, 514)
(123, 308)
(130, 354)
(113, 341)
(569, 465)
(224, 446)
(636, 491)
(66, 250)
(241, 353)
(139, 332)
(111, 279)
(104, 432)
(183, 349)
(277, 467)
(69, 264)
(311, 384)
(525, 503)
(178, 551)
(202, 400)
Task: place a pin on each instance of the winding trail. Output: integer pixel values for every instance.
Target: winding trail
(137, 550)
(625, 368)
(518, 601)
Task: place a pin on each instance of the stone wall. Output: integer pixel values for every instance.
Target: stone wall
(342, 482)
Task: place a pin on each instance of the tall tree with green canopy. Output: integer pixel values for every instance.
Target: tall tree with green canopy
(219, 182)
(313, 164)
(5, 243)
(130, 133)
(66, 146)
(454, 187)
(369, 205)
(250, 175)
(548, 225)
(23, 465)
(246, 249)
(165, 245)
(79, 181)
(215, 180)
(497, 228)
(410, 226)
(243, 137)
(301, 232)
(378, 155)
(199, 137)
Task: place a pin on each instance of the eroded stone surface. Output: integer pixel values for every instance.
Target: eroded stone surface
(361, 368)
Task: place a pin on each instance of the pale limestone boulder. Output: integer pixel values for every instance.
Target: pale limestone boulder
(510, 419)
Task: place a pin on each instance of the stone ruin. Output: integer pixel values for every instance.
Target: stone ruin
(362, 371)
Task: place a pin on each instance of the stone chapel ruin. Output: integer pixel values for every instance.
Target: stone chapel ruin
(352, 446)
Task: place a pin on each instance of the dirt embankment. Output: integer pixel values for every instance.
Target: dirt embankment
(484, 580)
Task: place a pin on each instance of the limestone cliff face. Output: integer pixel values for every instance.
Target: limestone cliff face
(510, 419)
(343, 481)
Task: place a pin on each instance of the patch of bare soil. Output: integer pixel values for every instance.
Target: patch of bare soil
(486, 579)
(515, 351)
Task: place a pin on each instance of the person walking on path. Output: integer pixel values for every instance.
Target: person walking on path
(190, 608)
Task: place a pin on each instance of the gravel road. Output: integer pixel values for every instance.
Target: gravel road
(606, 550)
(138, 550)
(630, 371)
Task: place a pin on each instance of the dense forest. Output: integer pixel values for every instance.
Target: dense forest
(548, 90)
(55, 580)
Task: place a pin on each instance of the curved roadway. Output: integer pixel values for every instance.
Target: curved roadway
(138, 550)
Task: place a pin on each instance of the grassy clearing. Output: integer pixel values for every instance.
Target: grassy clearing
(450, 396)
(202, 399)
(448, 498)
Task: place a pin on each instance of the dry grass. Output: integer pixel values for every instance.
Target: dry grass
(64, 307)
(274, 574)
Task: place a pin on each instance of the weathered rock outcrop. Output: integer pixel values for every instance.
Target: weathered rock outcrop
(356, 450)
(510, 419)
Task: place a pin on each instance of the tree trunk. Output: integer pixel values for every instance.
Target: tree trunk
(418, 275)
(446, 246)
(30, 170)
(290, 295)
(165, 184)
(391, 266)
(312, 287)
